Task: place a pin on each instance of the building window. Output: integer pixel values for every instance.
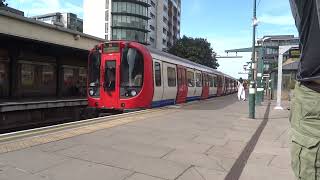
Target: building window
(198, 80)
(165, 8)
(153, 4)
(152, 27)
(151, 40)
(152, 15)
(27, 75)
(172, 77)
(107, 4)
(165, 20)
(164, 42)
(157, 74)
(3, 78)
(107, 37)
(48, 75)
(107, 27)
(107, 15)
(164, 31)
(190, 76)
(68, 77)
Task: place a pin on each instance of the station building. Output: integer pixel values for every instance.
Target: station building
(43, 69)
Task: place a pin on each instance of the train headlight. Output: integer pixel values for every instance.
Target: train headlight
(91, 92)
(133, 93)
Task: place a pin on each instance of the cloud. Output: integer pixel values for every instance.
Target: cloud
(282, 20)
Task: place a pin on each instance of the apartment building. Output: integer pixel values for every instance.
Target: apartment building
(66, 20)
(152, 22)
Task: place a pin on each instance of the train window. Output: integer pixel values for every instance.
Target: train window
(210, 79)
(157, 74)
(198, 80)
(172, 77)
(215, 81)
(190, 76)
(27, 75)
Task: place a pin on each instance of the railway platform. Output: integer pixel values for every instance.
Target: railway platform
(211, 140)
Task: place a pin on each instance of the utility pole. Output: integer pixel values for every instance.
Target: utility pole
(252, 86)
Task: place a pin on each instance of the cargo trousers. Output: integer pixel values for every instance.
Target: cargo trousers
(305, 133)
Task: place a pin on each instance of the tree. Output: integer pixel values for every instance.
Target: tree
(195, 49)
(3, 3)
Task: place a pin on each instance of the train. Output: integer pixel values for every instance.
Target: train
(125, 75)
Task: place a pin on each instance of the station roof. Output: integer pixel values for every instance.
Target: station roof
(27, 28)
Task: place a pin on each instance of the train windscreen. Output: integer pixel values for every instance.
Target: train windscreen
(94, 74)
(131, 72)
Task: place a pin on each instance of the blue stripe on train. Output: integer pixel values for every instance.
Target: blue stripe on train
(213, 96)
(193, 98)
(163, 103)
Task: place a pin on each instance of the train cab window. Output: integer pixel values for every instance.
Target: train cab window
(94, 73)
(157, 74)
(172, 77)
(131, 72)
(190, 76)
(198, 80)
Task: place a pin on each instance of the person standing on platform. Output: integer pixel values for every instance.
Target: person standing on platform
(305, 108)
(241, 90)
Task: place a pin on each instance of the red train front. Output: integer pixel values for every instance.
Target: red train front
(120, 76)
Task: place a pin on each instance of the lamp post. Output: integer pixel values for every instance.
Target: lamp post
(252, 86)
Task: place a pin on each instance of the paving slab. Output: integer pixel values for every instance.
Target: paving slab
(138, 176)
(196, 159)
(32, 160)
(150, 166)
(83, 170)
(7, 173)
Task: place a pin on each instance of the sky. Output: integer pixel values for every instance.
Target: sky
(226, 24)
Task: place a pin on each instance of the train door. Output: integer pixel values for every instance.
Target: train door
(219, 84)
(198, 92)
(169, 84)
(191, 84)
(182, 85)
(205, 86)
(158, 83)
(109, 92)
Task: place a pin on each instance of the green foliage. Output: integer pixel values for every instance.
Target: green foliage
(195, 49)
(3, 3)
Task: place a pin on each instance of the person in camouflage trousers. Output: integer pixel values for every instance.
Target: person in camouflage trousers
(305, 107)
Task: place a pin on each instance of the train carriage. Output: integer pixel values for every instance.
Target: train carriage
(127, 75)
